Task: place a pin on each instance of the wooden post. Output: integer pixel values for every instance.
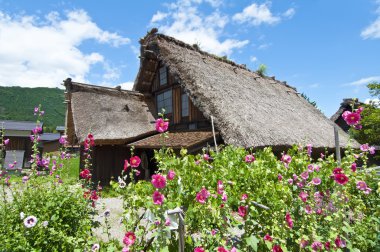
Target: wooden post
(213, 132)
(337, 146)
(181, 227)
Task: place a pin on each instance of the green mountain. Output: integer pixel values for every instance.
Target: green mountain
(17, 103)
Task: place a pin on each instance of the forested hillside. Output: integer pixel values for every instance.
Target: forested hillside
(17, 103)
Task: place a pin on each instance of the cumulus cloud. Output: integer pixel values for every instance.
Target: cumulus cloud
(256, 15)
(158, 17)
(127, 85)
(373, 30)
(43, 52)
(289, 13)
(187, 23)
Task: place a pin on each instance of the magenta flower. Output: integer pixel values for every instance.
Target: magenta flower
(339, 242)
(25, 179)
(129, 238)
(36, 110)
(224, 197)
(220, 187)
(317, 246)
(63, 139)
(327, 246)
(158, 181)
(249, 158)
(303, 243)
(279, 176)
(338, 170)
(202, 195)
(303, 196)
(353, 167)
(289, 220)
(371, 150)
(290, 181)
(309, 149)
(222, 249)
(206, 157)
(310, 168)
(6, 141)
(276, 248)
(244, 197)
(367, 190)
(242, 211)
(341, 178)
(361, 185)
(126, 165)
(158, 198)
(161, 125)
(316, 181)
(171, 175)
(135, 161)
(286, 159)
(364, 147)
(213, 232)
(351, 118)
(304, 175)
(199, 249)
(295, 177)
(308, 209)
(267, 237)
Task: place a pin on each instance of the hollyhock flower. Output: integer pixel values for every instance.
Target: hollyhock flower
(161, 125)
(249, 158)
(338, 170)
(22, 215)
(11, 166)
(220, 187)
(300, 184)
(30, 221)
(303, 196)
(316, 181)
(126, 165)
(322, 155)
(358, 126)
(310, 168)
(286, 159)
(289, 220)
(319, 211)
(341, 178)
(31, 137)
(233, 249)
(158, 198)
(158, 181)
(327, 245)
(353, 167)
(94, 196)
(371, 150)
(125, 249)
(122, 184)
(222, 249)
(279, 176)
(199, 249)
(25, 179)
(244, 197)
(135, 161)
(305, 175)
(308, 209)
(351, 118)
(276, 248)
(224, 197)
(339, 242)
(129, 238)
(295, 177)
(213, 232)
(303, 243)
(45, 223)
(316, 246)
(361, 185)
(202, 195)
(167, 222)
(6, 141)
(206, 157)
(267, 237)
(309, 149)
(367, 190)
(95, 247)
(36, 110)
(316, 168)
(290, 181)
(85, 174)
(364, 147)
(171, 175)
(242, 211)
(63, 139)
(107, 213)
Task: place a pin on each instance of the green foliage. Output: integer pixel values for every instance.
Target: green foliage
(374, 89)
(345, 211)
(309, 100)
(17, 103)
(262, 70)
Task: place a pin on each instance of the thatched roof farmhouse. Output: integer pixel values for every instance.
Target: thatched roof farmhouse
(248, 109)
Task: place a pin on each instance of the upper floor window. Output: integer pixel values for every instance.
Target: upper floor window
(163, 76)
(164, 101)
(184, 105)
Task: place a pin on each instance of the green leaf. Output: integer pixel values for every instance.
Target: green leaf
(252, 241)
(165, 249)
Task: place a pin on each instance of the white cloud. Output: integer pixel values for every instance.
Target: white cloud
(372, 31)
(373, 101)
(289, 13)
(127, 85)
(363, 81)
(186, 23)
(256, 15)
(264, 46)
(253, 59)
(43, 52)
(315, 85)
(158, 17)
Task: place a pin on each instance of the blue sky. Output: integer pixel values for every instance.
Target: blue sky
(327, 49)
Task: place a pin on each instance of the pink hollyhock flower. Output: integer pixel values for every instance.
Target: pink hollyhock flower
(277, 248)
(129, 238)
(327, 246)
(308, 209)
(158, 181)
(353, 167)
(135, 161)
(267, 237)
(358, 126)
(171, 175)
(359, 110)
(317, 246)
(85, 174)
(295, 177)
(303, 243)
(310, 168)
(233, 249)
(289, 220)
(279, 176)
(126, 165)
(371, 150)
(351, 118)
(6, 141)
(222, 249)
(36, 110)
(202, 195)
(158, 198)
(364, 147)
(309, 149)
(367, 190)
(300, 184)
(341, 178)
(125, 249)
(305, 175)
(316, 181)
(199, 249)
(206, 157)
(63, 139)
(25, 179)
(244, 197)
(303, 196)
(249, 158)
(338, 170)
(242, 211)
(161, 125)
(340, 243)
(286, 159)
(213, 232)
(319, 211)
(220, 187)
(224, 197)
(290, 181)
(361, 185)
(322, 155)
(167, 222)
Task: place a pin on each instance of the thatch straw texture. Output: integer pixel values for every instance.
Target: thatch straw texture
(248, 110)
(111, 115)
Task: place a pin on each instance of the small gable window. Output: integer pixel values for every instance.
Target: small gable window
(184, 105)
(164, 101)
(163, 75)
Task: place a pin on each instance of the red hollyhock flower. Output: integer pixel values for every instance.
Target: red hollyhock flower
(327, 246)
(289, 220)
(277, 248)
(341, 178)
(339, 242)
(338, 170)
(242, 210)
(85, 174)
(267, 237)
(222, 249)
(199, 249)
(129, 238)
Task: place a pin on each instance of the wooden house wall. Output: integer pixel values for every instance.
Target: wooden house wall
(51, 146)
(21, 143)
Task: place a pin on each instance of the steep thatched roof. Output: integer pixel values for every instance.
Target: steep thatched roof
(112, 115)
(248, 109)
